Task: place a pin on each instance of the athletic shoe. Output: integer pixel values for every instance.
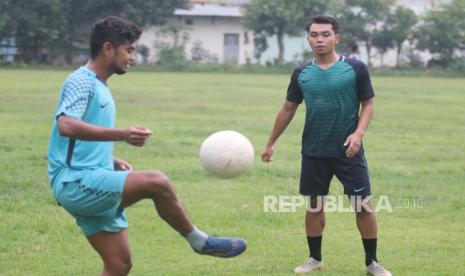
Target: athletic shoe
(376, 269)
(309, 266)
(223, 247)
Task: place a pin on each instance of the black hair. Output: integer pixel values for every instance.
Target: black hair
(354, 48)
(323, 19)
(114, 30)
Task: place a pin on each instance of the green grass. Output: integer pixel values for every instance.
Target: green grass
(414, 147)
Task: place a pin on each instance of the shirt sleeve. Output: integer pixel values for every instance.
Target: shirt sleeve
(364, 87)
(294, 94)
(75, 98)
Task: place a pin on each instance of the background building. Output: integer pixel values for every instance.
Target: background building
(209, 33)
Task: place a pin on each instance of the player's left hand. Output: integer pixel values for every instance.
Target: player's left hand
(354, 142)
(121, 165)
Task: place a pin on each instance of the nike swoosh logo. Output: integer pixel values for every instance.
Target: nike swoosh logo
(359, 190)
(103, 105)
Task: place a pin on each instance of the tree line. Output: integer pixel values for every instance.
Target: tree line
(60, 28)
(45, 30)
(376, 24)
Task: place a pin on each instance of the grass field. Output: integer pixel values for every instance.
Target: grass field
(415, 149)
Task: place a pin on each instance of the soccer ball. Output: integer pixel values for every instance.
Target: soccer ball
(226, 154)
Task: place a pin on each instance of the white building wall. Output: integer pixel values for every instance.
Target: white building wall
(294, 47)
(210, 31)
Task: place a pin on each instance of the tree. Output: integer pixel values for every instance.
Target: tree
(33, 23)
(383, 40)
(441, 31)
(401, 23)
(394, 31)
(260, 44)
(144, 51)
(153, 12)
(360, 19)
(82, 14)
(61, 26)
(171, 46)
(278, 17)
(4, 18)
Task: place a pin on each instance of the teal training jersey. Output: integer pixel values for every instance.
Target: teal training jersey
(84, 97)
(332, 98)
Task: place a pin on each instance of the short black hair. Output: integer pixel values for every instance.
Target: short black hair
(114, 30)
(354, 48)
(323, 19)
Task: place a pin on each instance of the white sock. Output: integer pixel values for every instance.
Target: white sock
(197, 238)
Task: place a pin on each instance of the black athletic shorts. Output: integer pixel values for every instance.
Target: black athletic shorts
(317, 173)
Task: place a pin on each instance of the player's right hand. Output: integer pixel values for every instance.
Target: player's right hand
(137, 135)
(267, 153)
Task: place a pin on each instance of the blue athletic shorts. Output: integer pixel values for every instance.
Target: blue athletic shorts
(94, 200)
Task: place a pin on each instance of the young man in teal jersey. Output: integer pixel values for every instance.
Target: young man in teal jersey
(91, 183)
(333, 89)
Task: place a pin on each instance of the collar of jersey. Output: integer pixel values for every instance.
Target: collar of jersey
(341, 58)
(93, 74)
(88, 71)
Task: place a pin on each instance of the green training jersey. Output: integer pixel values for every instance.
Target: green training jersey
(332, 97)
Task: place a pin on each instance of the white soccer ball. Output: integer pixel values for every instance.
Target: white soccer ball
(226, 154)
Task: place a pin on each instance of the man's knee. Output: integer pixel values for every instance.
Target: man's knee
(361, 206)
(316, 205)
(159, 183)
(364, 213)
(119, 267)
(127, 265)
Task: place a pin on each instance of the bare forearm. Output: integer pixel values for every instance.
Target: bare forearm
(366, 114)
(282, 120)
(77, 129)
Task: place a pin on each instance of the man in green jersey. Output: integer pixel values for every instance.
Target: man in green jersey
(333, 88)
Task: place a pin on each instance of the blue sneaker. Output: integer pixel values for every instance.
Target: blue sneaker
(223, 247)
